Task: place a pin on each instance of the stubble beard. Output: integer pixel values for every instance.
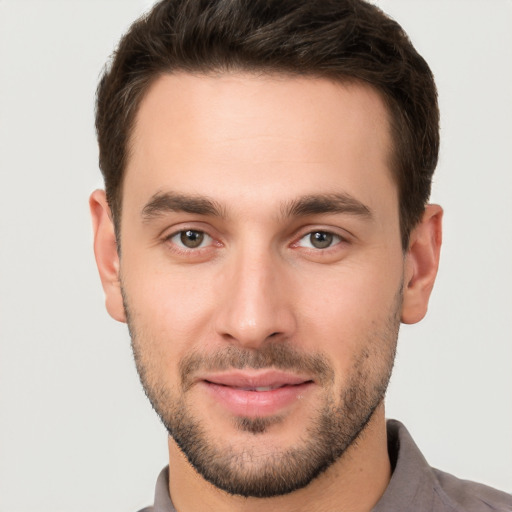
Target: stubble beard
(336, 424)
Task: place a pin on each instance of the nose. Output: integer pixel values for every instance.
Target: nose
(256, 303)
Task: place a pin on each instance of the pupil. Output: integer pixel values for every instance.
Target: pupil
(191, 239)
(321, 240)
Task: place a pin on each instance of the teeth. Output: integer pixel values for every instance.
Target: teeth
(259, 388)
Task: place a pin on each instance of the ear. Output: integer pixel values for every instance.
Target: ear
(421, 263)
(107, 257)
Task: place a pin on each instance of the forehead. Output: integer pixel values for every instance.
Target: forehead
(232, 134)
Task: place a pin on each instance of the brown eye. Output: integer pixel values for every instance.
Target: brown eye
(319, 240)
(190, 238)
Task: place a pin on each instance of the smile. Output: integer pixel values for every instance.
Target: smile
(260, 388)
(255, 394)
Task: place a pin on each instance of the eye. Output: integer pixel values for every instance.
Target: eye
(319, 240)
(191, 239)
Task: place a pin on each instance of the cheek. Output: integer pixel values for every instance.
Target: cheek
(351, 294)
(170, 311)
(346, 314)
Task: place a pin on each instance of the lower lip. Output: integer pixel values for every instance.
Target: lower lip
(256, 403)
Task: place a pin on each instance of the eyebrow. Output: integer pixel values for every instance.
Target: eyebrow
(317, 204)
(165, 202)
(326, 203)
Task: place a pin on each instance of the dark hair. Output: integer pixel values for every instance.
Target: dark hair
(338, 39)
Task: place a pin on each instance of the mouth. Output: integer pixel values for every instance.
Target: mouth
(256, 393)
(256, 388)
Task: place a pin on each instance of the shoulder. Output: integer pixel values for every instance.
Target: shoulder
(467, 496)
(415, 485)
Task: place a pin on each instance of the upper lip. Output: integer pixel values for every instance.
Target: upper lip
(255, 379)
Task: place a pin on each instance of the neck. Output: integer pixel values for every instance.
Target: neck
(355, 482)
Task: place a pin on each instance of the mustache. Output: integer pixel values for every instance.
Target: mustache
(277, 355)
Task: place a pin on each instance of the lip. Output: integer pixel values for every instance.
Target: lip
(256, 393)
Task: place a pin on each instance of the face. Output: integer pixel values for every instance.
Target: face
(261, 270)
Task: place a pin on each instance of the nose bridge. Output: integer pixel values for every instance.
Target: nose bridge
(255, 306)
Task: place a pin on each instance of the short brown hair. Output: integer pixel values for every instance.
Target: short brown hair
(338, 39)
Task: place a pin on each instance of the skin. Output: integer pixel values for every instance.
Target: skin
(257, 280)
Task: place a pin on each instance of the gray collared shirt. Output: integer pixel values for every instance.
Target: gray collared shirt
(414, 486)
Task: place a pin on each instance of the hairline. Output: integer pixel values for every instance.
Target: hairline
(269, 71)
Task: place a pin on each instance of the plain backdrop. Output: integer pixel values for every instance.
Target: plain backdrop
(76, 433)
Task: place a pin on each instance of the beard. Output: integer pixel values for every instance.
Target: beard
(334, 425)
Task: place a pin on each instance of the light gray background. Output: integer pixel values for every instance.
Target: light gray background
(76, 433)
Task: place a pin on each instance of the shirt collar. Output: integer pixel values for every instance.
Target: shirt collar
(413, 480)
(411, 484)
(163, 501)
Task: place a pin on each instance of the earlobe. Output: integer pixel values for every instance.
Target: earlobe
(107, 257)
(421, 264)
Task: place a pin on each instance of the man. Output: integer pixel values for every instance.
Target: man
(263, 232)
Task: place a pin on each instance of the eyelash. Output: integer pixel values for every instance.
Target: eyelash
(176, 240)
(335, 240)
(178, 246)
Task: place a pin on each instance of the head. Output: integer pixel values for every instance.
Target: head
(264, 228)
(345, 41)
